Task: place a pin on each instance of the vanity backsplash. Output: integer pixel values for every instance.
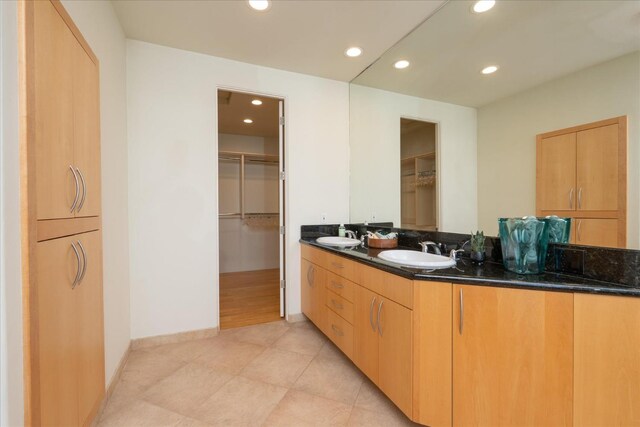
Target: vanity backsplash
(598, 263)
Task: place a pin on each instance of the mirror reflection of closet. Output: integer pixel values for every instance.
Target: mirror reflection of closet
(418, 169)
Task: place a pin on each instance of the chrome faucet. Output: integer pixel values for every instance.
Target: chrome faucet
(455, 253)
(351, 234)
(425, 247)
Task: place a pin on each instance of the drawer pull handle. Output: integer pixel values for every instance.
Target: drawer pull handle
(310, 275)
(379, 312)
(337, 330)
(75, 199)
(461, 311)
(373, 326)
(84, 190)
(79, 268)
(337, 265)
(337, 304)
(337, 285)
(85, 262)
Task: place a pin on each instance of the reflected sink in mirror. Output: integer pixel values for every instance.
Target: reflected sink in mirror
(338, 242)
(417, 259)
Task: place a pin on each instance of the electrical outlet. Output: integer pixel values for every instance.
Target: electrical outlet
(324, 218)
(373, 217)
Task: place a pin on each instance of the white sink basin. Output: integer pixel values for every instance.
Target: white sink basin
(417, 259)
(340, 242)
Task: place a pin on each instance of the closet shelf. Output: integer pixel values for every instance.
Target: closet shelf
(252, 157)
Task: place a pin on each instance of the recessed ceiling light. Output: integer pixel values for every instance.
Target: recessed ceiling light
(352, 52)
(490, 69)
(248, 121)
(403, 63)
(256, 102)
(260, 5)
(483, 5)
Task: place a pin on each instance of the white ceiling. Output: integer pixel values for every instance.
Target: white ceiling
(532, 42)
(234, 107)
(305, 36)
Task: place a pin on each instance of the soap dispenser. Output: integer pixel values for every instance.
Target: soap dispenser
(341, 230)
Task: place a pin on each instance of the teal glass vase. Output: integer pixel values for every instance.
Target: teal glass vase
(559, 228)
(524, 244)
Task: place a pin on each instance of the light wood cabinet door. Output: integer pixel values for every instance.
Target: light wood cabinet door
(308, 280)
(86, 125)
(556, 173)
(395, 327)
(57, 267)
(365, 335)
(607, 361)
(512, 357)
(597, 168)
(596, 232)
(53, 99)
(90, 327)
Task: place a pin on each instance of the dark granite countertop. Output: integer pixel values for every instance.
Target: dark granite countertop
(488, 274)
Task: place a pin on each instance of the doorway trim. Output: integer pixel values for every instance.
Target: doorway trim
(283, 215)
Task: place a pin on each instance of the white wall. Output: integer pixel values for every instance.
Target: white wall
(507, 132)
(375, 156)
(11, 385)
(100, 27)
(173, 176)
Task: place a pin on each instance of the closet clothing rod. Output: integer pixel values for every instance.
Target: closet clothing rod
(238, 214)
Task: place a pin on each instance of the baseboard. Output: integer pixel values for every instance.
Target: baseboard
(146, 342)
(113, 382)
(296, 317)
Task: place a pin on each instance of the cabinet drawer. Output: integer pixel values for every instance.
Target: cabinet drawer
(340, 306)
(388, 285)
(314, 255)
(341, 286)
(340, 332)
(342, 267)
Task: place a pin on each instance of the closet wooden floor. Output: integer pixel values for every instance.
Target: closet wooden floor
(249, 298)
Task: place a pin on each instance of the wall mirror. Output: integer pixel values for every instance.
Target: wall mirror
(535, 107)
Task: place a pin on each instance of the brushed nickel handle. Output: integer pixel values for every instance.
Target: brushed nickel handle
(337, 265)
(84, 190)
(571, 198)
(461, 311)
(85, 259)
(373, 302)
(77, 278)
(579, 227)
(580, 198)
(379, 311)
(310, 275)
(336, 304)
(75, 200)
(337, 330)
(337, 285)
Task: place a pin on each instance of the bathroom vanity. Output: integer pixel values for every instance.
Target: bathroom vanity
(479, 345)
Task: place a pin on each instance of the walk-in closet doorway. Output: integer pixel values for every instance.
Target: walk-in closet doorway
(251, 208)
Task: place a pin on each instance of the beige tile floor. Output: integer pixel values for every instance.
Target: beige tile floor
(274, 374)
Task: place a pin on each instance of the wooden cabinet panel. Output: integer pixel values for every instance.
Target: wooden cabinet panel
(313, 293)
(597, 168)
(316, 256)
(340, 306)
(342, 267)
(556, 173)
(432, 353)
(607, 361)
(57, 332)
(395, 353)
(512, 357)
(90, 328)
(388, 285)
(86, 126)
(365, 352)
(341, 286)
(340, 332)
(596, 232)
(53, 81)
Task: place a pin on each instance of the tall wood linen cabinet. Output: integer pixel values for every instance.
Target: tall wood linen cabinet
(581, 173)
(61, 218)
